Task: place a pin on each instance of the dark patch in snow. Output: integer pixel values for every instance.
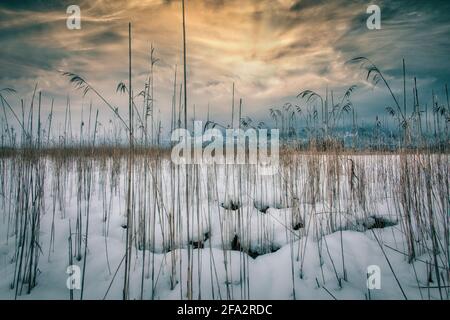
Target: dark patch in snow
(236, 246)
(263, 209)
(298, 226)
(235, 243)
(371, 222)
(368, 223)
(231, 205)
(200, 244)
(380, 223)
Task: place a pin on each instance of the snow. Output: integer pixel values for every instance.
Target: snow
(285, 240)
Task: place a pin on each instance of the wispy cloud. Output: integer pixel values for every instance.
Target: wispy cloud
(271, 49)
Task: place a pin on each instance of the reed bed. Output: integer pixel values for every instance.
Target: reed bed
(111, 202)
(308, 209)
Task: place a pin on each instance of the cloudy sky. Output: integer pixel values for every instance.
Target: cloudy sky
(270, 49)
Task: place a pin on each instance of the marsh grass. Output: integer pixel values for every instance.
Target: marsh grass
(323, 185)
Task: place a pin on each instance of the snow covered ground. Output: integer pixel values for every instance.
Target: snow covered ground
(310, 232)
